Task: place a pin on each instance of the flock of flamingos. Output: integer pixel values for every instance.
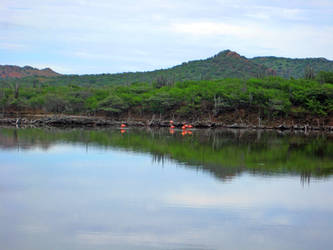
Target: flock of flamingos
(186, 128)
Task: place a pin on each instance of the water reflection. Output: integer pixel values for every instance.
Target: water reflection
(87, 189)
(224, 153)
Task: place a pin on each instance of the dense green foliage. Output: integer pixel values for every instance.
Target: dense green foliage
(272, 95)
(296, 68)
(223, 153)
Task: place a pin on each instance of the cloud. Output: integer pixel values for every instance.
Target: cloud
(87, 55)
(209, 28)
(103, 32)
(278, 14)
(284, 41)
(12, 46)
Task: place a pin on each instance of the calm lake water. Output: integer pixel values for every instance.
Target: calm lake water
(159, 189)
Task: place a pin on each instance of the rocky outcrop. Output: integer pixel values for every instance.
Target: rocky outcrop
(11, 71)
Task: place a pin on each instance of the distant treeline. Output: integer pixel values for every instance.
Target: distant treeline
(273, 96)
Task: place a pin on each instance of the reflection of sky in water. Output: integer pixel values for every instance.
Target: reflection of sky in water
(70, 198)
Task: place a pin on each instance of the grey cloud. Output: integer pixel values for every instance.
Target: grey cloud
(166, 32)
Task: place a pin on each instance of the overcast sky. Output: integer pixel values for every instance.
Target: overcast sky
(96, 36)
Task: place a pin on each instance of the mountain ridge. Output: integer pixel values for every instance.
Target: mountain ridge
(225, 64)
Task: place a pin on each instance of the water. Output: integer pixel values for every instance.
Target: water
(141, 189)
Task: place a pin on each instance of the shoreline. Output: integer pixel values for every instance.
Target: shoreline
(90, 121)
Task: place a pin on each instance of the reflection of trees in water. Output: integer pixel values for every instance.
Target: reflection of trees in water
(224, 153)
(12, 140)
(223, 173)
(305, 179)
(159, 158)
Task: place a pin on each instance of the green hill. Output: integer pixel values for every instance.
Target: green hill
(226, 64)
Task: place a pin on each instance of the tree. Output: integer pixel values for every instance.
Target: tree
(309, 73)
(17, 87)
(325, 77)
(113, 104)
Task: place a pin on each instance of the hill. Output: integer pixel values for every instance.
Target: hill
(226, 64)
(10, 71)
(288, 67)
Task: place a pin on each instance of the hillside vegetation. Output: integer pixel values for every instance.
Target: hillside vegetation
(268, 97)
(169, 93)
(296, 68)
